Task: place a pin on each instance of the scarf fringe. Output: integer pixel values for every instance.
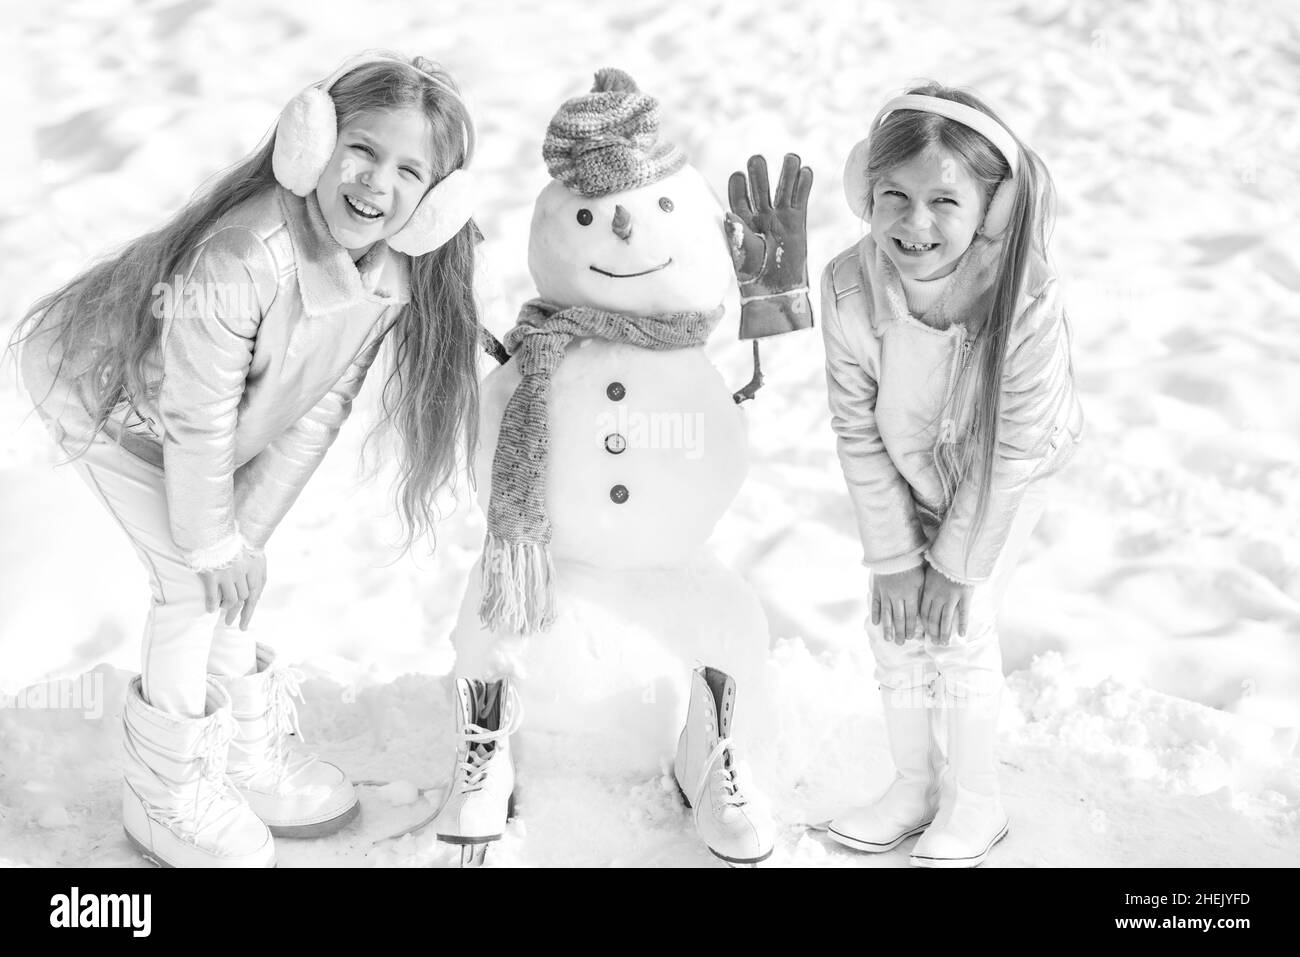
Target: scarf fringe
(518, 586)
(517, 575)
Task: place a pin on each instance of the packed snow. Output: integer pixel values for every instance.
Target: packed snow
(1152, 634)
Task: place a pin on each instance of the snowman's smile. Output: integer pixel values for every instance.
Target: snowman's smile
(630, 275)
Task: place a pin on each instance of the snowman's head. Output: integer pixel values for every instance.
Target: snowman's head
(625, 225)
(654, 248)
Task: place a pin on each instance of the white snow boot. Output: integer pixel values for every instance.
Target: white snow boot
(909, 804)
(733, 820)
(296, 794)
(480, 795)
(178, 807)
(970, 819)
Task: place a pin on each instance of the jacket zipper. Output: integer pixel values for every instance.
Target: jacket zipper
(949, 426)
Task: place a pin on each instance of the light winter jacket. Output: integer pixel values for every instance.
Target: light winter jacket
(267, 337)
(901, 396)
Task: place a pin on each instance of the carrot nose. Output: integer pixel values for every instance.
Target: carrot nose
(622, 224)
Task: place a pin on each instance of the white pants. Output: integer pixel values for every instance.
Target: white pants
(970, 664)
(183, 642)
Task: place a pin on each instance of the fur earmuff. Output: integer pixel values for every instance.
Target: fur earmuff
(441, 215)
(304, 140)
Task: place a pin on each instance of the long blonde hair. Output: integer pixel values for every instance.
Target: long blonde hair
(105, 328)
(906, 134)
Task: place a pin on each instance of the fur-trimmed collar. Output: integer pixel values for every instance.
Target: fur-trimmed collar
(328, 279)
(965, 301)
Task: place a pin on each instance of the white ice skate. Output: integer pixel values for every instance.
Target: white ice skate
(296, 794)
(730, 816)
(178, 807)
(480, 795)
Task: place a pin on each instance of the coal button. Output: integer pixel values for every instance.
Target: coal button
(615, 391)
(618, 494)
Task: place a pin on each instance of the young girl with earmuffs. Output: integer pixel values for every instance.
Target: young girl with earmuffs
(196, 416)
(952, 398)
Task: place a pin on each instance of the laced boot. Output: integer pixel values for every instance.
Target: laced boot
(733, 820)
(296, 794)
(178, 807)
(480, 796)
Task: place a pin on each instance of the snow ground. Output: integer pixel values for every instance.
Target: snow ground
(1153, 632)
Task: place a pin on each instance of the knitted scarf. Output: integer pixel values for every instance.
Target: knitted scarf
(516, 569)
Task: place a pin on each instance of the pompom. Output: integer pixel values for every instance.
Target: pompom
(613, 80)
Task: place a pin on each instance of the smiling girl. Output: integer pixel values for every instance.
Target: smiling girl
(952, 397)
(197, 422)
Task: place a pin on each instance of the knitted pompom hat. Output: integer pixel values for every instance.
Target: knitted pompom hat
(608, 140)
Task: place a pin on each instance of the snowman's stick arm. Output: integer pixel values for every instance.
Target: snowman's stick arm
(493, 347)
(749, 389)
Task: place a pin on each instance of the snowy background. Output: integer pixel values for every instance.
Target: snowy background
(1152, 635)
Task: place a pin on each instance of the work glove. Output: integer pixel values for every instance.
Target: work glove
(768, 240)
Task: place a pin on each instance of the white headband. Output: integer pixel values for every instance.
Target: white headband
(981, 123)
(365, 58)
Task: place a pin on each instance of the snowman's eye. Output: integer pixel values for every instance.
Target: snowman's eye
(665, 204)
(584, 217)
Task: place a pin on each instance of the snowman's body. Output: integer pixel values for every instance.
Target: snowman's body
(647, 451)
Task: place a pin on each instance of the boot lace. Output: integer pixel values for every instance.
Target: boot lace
(730, 776)
(480, 747)
(282, 722)
(214, 796)
(286, 684)
(283, 686)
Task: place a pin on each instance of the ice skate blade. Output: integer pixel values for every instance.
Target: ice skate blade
(320, 828)
(464, 841)
(473, 855)
(871, 847)
(473, 850)
(973, 861)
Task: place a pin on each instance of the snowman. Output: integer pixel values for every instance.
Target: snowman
(613, 446)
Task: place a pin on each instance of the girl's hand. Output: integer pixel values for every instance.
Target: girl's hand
(238, 584)
(896, 602)
(945, 605)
